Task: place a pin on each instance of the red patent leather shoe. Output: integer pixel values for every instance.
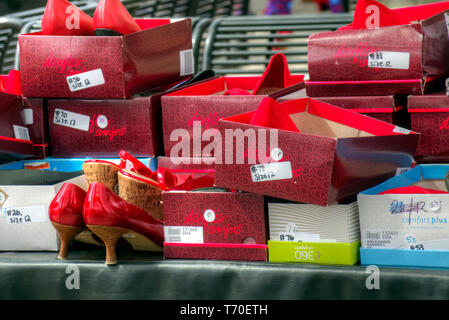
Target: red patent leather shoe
(111, 18)
(110, 218)
(61, 18)
(11, 83)
(276, 76)
(66, 215)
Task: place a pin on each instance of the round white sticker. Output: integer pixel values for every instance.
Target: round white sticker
(102, 121)
(276, 154)
(434, 205)
(209, 215)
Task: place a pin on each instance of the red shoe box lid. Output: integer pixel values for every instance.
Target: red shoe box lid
(106, 67)
(379, 107)
(396, 59)
(206, 103)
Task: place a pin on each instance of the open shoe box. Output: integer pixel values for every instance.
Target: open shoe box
(337, 154)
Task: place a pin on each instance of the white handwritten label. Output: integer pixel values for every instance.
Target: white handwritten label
(25, 215)
(299, 237)
(187, 63)
(21, 133)
(71, 119)
(271, 171)
(183, 234)
(85, 80)
(389, 60)
(401, 130)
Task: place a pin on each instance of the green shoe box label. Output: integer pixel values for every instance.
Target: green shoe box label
(319, 253)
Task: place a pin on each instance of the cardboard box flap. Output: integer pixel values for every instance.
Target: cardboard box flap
(414, 177)
(318, 118)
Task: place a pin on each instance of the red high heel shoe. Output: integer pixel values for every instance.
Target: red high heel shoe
(276, 76)
(110, 218)
(111, 18)
(11, 84)
(61, 18)
(66, 215)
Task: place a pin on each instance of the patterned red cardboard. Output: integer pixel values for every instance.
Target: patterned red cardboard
(36, 115)
(383, 108)
(429, 115)
(206, 103)
(12, 147)
(237, 226)
(108, 127)
(129, 64)
(341, 58)
(323, 169)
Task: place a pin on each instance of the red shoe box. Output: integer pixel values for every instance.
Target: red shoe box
(212, 223)
(106, 67)
(196, 167)
(206, 103)
(35, 117)
(429, 115)
(101, 128)
(337, 154)
(384, 108)
(15, 140)
(350, 62)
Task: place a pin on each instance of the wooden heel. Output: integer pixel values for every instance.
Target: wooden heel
(110, 236)
(141, 194)
(104, 173)
(66, 234)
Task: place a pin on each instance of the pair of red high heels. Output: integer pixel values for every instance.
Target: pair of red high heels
(134, 214)
(111, 18)
(105, 214)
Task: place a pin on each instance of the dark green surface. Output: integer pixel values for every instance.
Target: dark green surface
(140, 275)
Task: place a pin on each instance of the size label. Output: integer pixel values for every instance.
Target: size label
(71, 119)
(183, 234)
(271, 171)
(187, 64)
(389, 60)
(24, 214)
(383, 239)
(21, 133)
(85, 80)
(401, 130)
(299, 237)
